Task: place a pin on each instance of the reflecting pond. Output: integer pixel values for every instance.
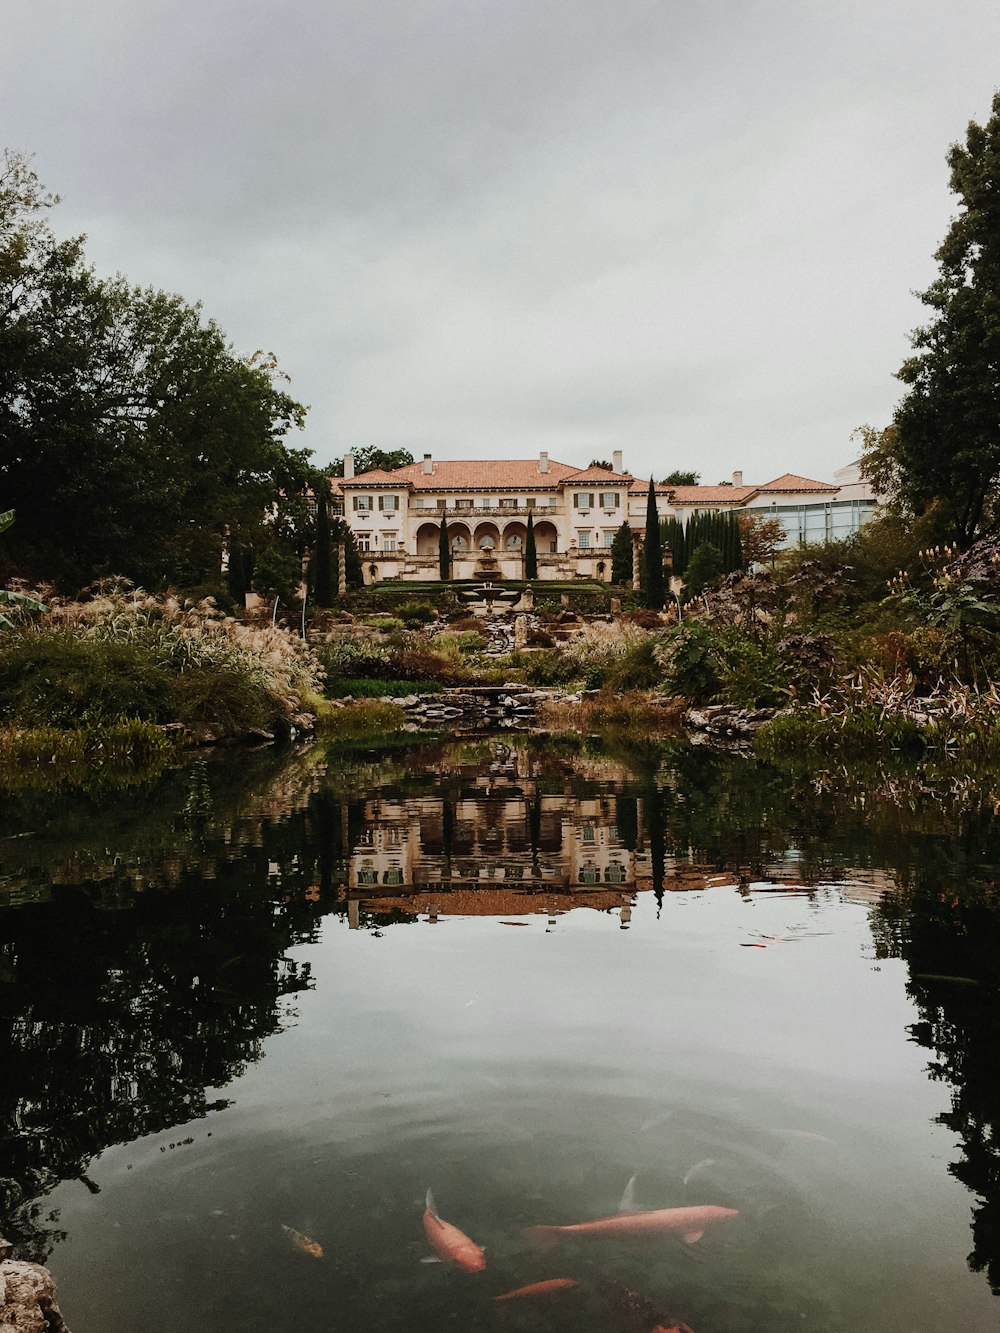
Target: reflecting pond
(262, 1005)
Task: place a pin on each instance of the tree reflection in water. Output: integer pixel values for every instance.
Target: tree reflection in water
(144, 952)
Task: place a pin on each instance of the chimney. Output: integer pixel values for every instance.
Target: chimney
(543, 461)
(348, 466)
(616, 459)
(428, 469)
(737, 478)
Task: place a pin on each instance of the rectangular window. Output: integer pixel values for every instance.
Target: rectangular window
(362, 504)
(508, 504)
(609, 539)
(420, 503)
(530, 504)
(441, 504)
(583, 500)
(389, 542)
(584, 540)
(364, 542)
(463, 504)
(388, 503)
(553, 501)
(609, 499)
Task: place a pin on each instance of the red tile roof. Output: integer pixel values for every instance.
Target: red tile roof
(600, 474)
(791, 482)
(693, 495)
(487, 474)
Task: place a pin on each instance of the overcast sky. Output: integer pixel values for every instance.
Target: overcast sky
(689, 229)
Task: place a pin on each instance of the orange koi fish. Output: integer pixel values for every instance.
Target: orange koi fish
(448, 1243)
(550, 1287)
(689, 1223)
(304, 1243)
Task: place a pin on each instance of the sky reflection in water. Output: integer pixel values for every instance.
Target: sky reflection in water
(214, 1025)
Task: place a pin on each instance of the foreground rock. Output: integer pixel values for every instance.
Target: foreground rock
(27, 1297)
(481, 706)
(722, 720)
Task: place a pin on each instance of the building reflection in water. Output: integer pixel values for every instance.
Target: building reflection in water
(506, 844)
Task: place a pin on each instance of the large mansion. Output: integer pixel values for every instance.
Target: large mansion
(396, 516)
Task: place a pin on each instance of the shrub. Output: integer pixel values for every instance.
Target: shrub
(223, 698)
(123, 651)
(416, 613)
(635, 669)
(751, 674)
(380, 689)
(367, 720)
(59, 679)
(547, 667)
(706, 564)
(690, 662)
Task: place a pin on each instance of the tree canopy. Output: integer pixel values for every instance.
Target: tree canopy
(942, 454)
(133, 439)
(681, 478)
(369, 457)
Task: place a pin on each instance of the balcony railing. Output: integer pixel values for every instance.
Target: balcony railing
(494, 511)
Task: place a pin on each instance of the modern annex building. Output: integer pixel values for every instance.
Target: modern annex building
(396, 516)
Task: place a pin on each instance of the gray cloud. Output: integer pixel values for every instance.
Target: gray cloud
(488, 228)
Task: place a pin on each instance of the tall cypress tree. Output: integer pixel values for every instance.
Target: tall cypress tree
(444, 550)
(238, 573)
(530, 551)
(652, 554)
(322, 589)
(621, 556)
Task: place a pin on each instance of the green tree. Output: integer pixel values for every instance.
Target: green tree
(133, 439)
(239, 571)
(704, 566)
(621, 556)
(321, 556)
(652, 554)
(444, 550)
(530, 551)
(944, 454)
(369, 457)
(681, 478)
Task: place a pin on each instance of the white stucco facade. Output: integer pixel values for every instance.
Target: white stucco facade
(396, 516)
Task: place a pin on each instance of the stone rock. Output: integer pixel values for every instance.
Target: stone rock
(258, 734)
(28, 1298)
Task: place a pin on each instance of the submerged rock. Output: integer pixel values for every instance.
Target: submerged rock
(27, 1297)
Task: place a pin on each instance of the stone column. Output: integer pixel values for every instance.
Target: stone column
(635, 563)
(520, 631)
(341, 569)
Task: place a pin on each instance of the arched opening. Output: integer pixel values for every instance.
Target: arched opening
(459, 538)
(487, 537)
(546, 538)
(428, 537)
(514, 537)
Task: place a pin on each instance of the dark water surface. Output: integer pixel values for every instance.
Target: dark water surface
(298, 990)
